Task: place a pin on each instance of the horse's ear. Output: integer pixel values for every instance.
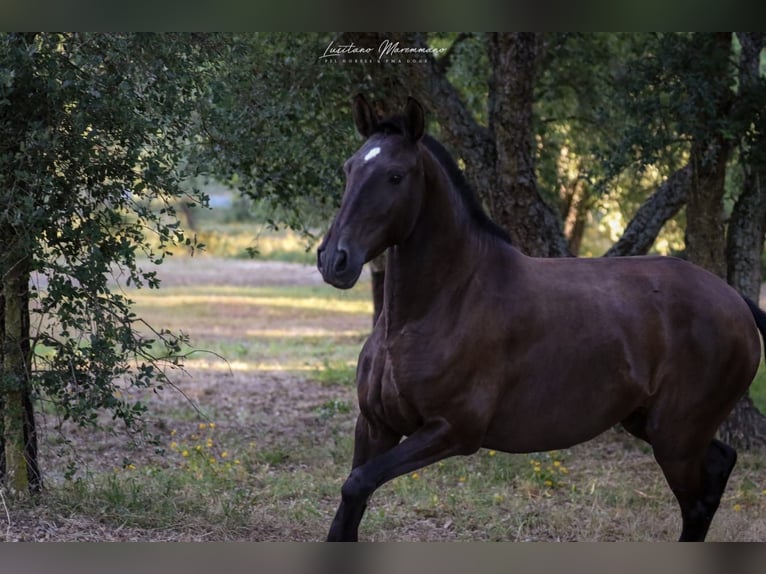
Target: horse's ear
(364, 117)
(415, 116)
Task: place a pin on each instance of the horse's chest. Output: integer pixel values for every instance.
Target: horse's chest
(388, 391)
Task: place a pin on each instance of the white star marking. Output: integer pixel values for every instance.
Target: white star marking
(372, 153)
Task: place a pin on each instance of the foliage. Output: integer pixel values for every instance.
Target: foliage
(93, 128)
(664, 96)
(468, 69)
(278, 122)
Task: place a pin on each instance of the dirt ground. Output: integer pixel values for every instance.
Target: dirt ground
(204, 270)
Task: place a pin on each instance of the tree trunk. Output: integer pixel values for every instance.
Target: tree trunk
(748, 218)
(516, 204)
(705, 237)
(746, 425)
(574, 207)
(21, 470)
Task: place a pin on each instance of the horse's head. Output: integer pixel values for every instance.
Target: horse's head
(384, 188)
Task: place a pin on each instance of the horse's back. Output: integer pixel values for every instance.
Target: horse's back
(610, 336)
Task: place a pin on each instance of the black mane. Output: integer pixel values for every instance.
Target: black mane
(467, 194)
(395, 125)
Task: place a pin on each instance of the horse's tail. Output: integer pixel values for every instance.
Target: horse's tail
(759, 315)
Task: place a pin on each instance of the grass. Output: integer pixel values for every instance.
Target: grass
(259, 328)
(248, 240)
(288, 491)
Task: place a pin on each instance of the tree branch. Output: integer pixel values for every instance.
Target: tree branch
(652, 215)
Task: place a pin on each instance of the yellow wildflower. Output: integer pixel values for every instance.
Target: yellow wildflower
(185, 453)
(737, 508)
(202, 426)
(492, 453)
(211, 425)
(415, 476)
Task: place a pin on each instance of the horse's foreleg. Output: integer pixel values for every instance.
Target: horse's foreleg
(430, 443)
(368, 443)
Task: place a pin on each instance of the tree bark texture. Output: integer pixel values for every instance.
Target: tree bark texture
(748, 219)
(516, 205)
(705, 234)
(574, 206)
(746, 425)
(20, 466)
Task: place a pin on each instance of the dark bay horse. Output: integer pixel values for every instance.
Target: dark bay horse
(479, 345)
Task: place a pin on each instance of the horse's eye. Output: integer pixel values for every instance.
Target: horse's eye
(395, 179)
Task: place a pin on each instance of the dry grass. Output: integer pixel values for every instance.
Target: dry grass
(282, 409)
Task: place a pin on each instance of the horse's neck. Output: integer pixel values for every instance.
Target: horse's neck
(439, 255)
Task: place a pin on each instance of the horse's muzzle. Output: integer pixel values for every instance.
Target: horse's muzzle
(338, 267)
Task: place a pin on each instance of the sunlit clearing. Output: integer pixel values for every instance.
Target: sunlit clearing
(303, 332)
(254, 367)
(314, 303)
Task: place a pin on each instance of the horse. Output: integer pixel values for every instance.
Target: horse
(481, 346)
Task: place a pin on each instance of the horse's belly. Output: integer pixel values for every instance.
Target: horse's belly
(527, 421)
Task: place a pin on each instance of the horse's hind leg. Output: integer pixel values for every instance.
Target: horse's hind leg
(698, 483)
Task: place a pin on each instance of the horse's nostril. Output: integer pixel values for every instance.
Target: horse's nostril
(341, 261)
